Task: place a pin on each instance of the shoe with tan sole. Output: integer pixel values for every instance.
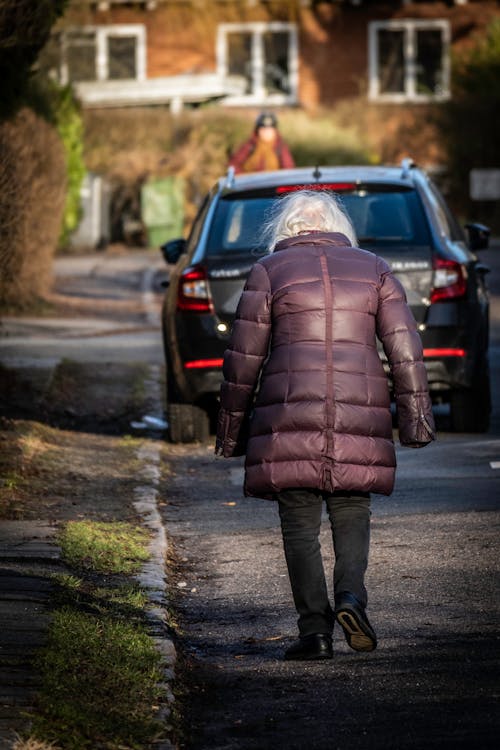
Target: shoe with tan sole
(350, 614)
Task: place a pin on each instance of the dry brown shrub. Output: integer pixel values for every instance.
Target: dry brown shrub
(32, 195)
(130, 146)
(393, 132)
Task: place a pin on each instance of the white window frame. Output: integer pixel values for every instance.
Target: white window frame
(410, 26)
(258, 95)
(102, 59)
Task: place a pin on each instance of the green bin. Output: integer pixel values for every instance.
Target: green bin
(162, 208)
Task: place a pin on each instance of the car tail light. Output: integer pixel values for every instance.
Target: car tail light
(450, 280)
(316, 186)
(201, 364)
(444, 352)
(193, 293)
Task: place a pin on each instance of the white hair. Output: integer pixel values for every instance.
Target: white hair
(307, 211)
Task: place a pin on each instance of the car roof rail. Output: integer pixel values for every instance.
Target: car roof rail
(406, 165)
(229, 177)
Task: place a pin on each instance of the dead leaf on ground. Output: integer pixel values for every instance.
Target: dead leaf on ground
(263, 640)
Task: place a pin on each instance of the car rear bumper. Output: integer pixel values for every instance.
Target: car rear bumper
(447, 373)
(449, 366)
(442, 374)
(203, 382)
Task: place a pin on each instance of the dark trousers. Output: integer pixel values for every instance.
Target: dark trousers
(300, 513)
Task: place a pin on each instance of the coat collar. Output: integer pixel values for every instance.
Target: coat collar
(314, 238)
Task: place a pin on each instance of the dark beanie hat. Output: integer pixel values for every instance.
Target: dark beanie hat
(266, 120)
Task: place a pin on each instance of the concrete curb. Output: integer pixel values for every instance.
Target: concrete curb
(152, 576)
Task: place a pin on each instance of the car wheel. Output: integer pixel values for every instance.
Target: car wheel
(172, 392)
(187, 423)
(470, 407)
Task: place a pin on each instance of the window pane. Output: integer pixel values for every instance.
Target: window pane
(81, 56)
(121, 57)
(276, 62)
(429, 61)
(239, 53)
(447, 222)
(391, 62)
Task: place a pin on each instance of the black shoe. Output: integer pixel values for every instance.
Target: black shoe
(350, 613)
(311, 648)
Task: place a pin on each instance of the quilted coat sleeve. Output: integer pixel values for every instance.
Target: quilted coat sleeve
(397, 330)
(243, 362)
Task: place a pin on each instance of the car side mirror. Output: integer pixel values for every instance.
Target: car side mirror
(479, 236)
(172, 250)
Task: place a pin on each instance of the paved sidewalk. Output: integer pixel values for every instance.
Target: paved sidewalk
(28, 556)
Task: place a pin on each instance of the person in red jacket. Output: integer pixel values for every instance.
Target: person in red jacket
(265, 150)
(306, 399)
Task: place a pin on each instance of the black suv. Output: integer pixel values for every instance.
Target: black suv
(398, 213)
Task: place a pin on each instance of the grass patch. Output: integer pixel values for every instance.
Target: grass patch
(68, 582)
(22, 444)
(114, 547)
(31, 743)
(32, 446)
(100, 671)
(130, 441)
(121, 601)
(130, 597)
(100, 683)
(10, 482)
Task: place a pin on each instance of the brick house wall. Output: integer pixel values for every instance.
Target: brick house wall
(179, 46)
(332, 49)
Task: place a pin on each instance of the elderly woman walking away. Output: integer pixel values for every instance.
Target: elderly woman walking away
(306, 399)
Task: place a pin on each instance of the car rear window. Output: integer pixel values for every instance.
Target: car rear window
(382, 217)
(237, 224)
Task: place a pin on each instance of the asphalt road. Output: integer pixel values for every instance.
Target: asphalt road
(433, 583)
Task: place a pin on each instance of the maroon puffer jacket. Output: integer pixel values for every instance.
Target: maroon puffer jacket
(305, 395)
